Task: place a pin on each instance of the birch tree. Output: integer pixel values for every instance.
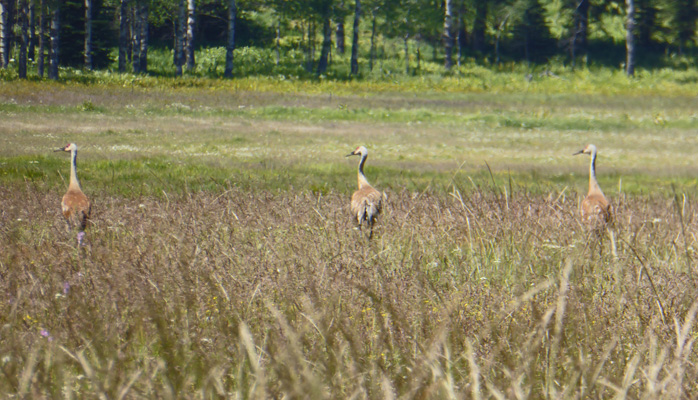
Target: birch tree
(88, 35)
(54, 39)
(339, 31)
(630, 38)
(191, 25)
(448, 34)
(4, 27)
(143, 43)
(42, 38)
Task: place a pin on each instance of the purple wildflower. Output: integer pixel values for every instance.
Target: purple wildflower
(66, 287)
(47, 335)
(81, 235)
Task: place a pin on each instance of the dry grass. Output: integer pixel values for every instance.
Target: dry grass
(221, 260)
(468, 294)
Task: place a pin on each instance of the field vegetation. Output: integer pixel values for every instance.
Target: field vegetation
(221, 260)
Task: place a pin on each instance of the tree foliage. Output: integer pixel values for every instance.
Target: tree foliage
(534, 31)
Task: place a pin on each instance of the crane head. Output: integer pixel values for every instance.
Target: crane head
(589, 149)
(69, 147)
(360, 151)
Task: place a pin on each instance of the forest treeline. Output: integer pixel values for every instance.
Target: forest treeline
(41, 35)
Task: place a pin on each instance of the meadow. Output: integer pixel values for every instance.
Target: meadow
(221, 260)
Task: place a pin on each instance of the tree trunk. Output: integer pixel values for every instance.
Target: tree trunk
(42, 39)
(88, 35)
(55, 39)
(500, 28)
(326, 44)
(406, 38)
(24, 39)
(191, 25)
(355, 39)
(179, 38)
(448, 34)
(143, 50)
(277, 46)
(136, 37)
(230, 45)
(4, 45)
(123, 35)
(479, 26)
(339, 32)
(630, 38)
(582, 26)
(460, 37)
(32, 31)
(310, 50)
(372, 52)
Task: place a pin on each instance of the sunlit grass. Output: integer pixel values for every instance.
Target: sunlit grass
(221, 259)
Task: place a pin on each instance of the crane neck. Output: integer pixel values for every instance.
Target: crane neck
(362, 178)
(74, 182)
(593, 183)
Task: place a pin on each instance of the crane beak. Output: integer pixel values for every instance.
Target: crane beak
(579, 152)
(350, 154)
(61, 149)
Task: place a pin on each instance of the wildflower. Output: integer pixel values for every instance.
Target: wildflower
(47, 335)
(66, 287)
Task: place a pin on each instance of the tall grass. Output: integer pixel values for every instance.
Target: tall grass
(231, 293)
(221, 260)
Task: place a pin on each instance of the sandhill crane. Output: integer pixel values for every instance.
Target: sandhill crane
(76, 207)
(366, 202)
(595, 208)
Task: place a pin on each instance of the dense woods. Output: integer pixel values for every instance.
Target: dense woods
(38, 36)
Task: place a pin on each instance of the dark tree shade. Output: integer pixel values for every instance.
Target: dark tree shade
(479, 26)
(179, 37)
(55, 41)
(355, 39)
(24, 38)
(533, 38)
(230, 44)
(123, 35)
(326, 44)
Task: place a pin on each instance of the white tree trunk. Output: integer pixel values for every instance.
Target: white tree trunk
(136, 38)
(88, 35)
(4, 49)
(630, 38)
(143, 53)
(191, 9)
(448, 34)
(42, 38)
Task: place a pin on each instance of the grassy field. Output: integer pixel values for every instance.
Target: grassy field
(221, 260)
